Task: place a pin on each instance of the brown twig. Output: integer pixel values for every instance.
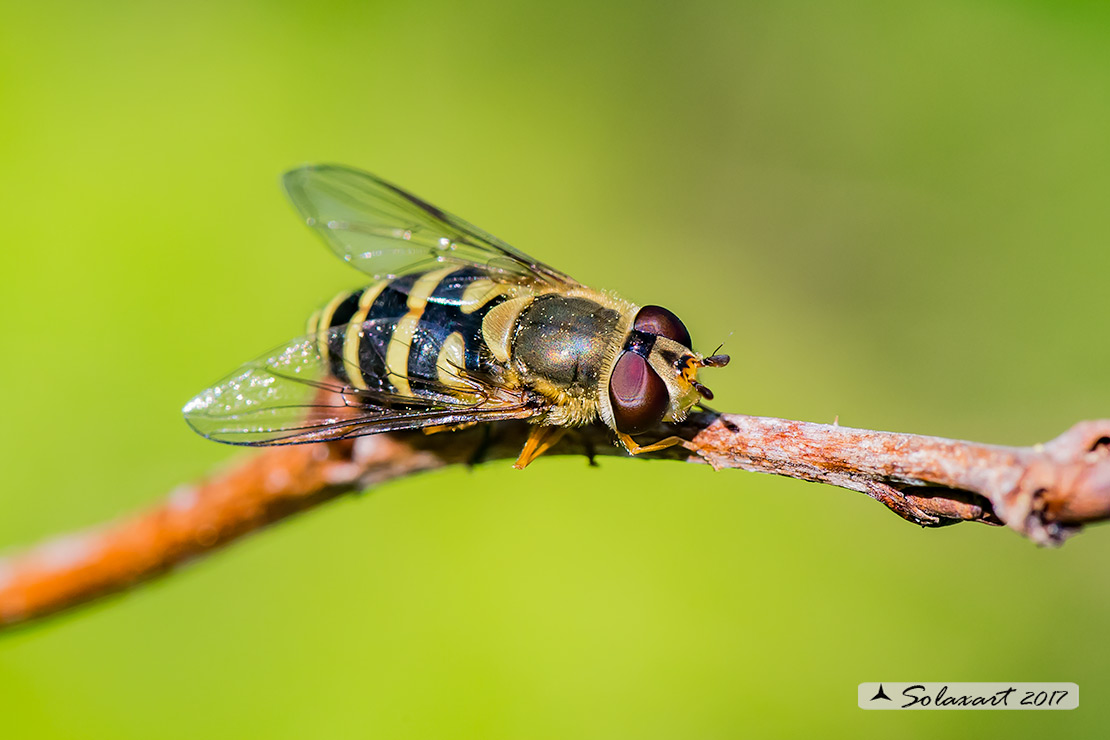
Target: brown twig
(1046, 492)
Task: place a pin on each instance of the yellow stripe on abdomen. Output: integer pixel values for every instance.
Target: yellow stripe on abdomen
(424, 286)
(400, 344)
(353, 338)
(480, 292)
(322, 320)
(313, 323)
(451, 360)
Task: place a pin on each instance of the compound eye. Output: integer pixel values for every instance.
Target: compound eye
(638, 395)
(659, 321)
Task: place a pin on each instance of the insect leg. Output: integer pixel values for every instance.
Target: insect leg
(449, 427)
(635, 449)
(540, 440)
(482, 448)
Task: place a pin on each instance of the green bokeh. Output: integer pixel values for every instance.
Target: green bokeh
(894, 214)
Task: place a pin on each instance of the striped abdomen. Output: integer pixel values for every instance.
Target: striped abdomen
(399, 332)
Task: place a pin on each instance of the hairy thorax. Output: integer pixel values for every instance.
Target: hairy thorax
(560, 346)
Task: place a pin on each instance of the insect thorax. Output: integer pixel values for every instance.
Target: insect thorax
(564, 340)
(564, 346)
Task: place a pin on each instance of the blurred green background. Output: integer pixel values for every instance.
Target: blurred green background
(893, 213)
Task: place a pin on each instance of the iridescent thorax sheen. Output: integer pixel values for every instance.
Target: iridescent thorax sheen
(563, 339)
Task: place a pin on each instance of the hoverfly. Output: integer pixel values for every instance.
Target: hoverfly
(458, 328)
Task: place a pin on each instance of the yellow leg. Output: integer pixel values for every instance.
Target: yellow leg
(448, 427)
(540, 440)
(636, 449)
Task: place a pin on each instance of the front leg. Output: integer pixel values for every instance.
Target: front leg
(635, 449)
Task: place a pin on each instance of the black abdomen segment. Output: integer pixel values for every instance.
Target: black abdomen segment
(440, 316)
(378, 321)
(377, 330)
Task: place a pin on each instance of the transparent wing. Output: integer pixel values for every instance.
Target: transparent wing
(386, 231)
(292, 396)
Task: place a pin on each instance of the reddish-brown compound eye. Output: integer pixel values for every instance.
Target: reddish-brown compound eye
(638, 395)
(659, 321)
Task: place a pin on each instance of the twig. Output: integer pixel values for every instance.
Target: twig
(1046, 492)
